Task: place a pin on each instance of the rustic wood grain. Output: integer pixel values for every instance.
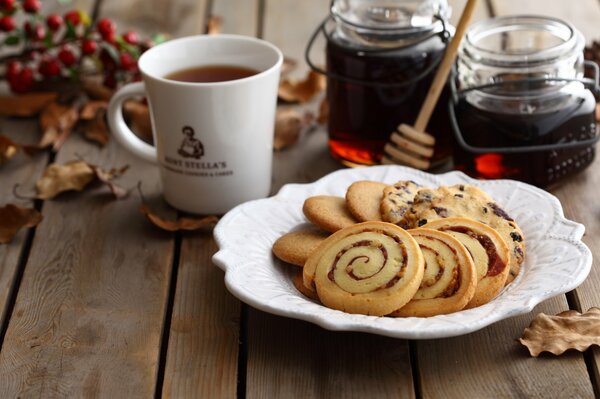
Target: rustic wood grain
(89, 312)
(491, 363)
(21, 170)
(202, 357)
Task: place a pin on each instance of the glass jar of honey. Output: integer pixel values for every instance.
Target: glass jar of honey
(381, 56)
(523, 109)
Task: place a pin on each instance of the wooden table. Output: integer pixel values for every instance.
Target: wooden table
(95, 302)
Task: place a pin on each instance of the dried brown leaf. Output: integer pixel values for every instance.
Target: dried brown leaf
(139, 116)
(183, 223)
(25, 105)
(57, 122)
(323, 112)
(13, 218)
(97, 129)
(289, 64)
(288, 126)
(302, 90)
(8, 149)
(214, 26)
(96, 90)
(566, 330)
(74, 175)
(107, 177)
(90, 110)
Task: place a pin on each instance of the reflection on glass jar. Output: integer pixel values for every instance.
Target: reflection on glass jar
(381, 58)
(530, 66)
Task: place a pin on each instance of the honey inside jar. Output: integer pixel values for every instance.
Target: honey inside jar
(523, 101)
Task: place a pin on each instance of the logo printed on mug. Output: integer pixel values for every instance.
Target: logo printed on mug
(190, 147)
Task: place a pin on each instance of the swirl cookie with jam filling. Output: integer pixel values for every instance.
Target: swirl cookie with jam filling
(488, 250)
(371, 268)
(450, 276)
(463, 200)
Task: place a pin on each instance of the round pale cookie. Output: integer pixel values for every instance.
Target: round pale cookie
(363, 199)
(463, 200)
(296, 246)
(371, 268)
(397, 200)
(449, 280)
(299, 284)
(328, 212)
(488, 250)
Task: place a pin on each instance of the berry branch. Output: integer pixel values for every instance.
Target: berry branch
(69, 46)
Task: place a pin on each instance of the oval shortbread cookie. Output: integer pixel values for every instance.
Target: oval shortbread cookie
(328, 212)
(488, 250)
(371, 268)
(449, 280)
(363, 199)
(295, 247)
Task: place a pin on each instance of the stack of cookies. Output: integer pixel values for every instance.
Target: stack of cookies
(404, 250)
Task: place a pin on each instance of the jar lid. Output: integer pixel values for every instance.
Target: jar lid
(390, 15)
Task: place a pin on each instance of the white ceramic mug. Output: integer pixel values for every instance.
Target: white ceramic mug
(213, 141)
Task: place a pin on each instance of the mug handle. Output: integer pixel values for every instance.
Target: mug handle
(120, 129)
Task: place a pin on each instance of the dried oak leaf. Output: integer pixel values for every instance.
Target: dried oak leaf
(598, 113)
(183, 223)
(57, 122)
(302, 90)
(95, 129)
(138, 115)
(90, 110)
(566, 330)
(214, 26)
(75, 176)
(25, 105)
(96, 90)
(13, 218)
(288, 126)
(9, 149)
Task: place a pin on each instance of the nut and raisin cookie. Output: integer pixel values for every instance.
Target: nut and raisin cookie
(363, 199)
(328, 212)
(295, 247)
(468, 201)
(397, 200)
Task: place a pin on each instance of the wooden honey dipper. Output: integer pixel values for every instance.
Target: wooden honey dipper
(411, 145)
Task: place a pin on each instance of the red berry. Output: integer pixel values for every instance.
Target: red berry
(26, 77)
(49, 68)
(127, 62)
(7, 23)
(106, 27)
(66, 56)
(12, 69)
(110, 81)
(130, 37)
(54, 22)
(107, 61)
(35, 33)
(73, 17)
(32, 6)
(7, 5)
(89, 47)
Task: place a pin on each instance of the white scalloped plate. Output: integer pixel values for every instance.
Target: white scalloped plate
(556, 260)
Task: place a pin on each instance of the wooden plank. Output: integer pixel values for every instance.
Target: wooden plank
(290, 358)
(21, 170)
(239, 17)
(202, 357)
(89, 313)
(491, 363)
(175, 18)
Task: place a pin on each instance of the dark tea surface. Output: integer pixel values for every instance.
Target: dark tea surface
(211, 73)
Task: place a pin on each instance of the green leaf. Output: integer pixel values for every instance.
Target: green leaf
(71, 33)
(48, 39)
(159, 38)
(12, 40)
(114, 54)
